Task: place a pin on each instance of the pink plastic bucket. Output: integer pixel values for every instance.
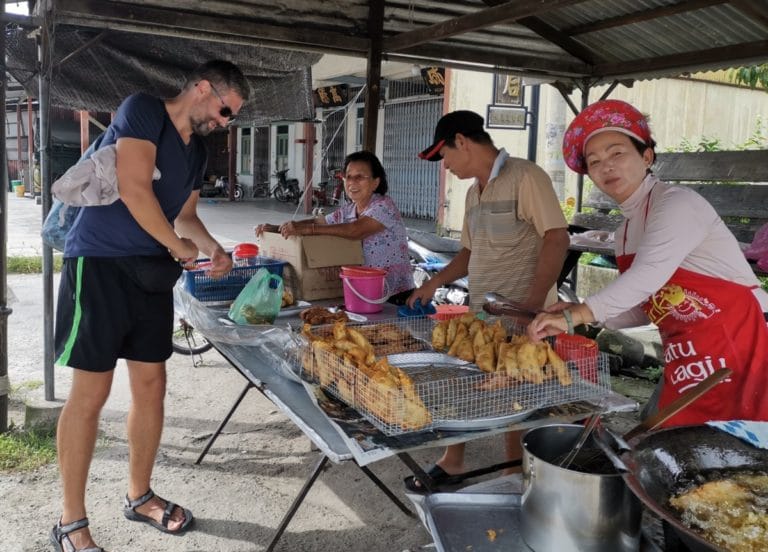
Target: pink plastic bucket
(364, 291)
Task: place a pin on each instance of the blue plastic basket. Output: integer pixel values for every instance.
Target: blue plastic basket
(204, 288)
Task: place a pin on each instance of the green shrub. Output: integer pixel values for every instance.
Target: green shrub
(26, 450)
(31, 265)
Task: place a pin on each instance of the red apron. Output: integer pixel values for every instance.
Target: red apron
(707, 323)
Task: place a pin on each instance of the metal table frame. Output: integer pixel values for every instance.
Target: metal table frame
(331, 449)
(260, 372)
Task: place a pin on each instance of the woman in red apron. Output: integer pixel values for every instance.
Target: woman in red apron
(681, 269)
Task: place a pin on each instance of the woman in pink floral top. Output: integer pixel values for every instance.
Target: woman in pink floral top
(370, 216)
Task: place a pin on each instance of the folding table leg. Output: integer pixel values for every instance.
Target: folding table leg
(297, 501)
(223, 423)
(380, 484)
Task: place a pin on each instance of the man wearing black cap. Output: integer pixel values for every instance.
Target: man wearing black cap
(514, 238)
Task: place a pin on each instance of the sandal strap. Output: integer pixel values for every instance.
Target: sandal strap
(143, 499)
(61, 534)
(72, 526)
(169, 507)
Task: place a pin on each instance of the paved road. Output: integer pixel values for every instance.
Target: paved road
(230, 223)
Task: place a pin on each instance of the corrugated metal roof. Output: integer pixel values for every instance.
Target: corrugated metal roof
(573, 41)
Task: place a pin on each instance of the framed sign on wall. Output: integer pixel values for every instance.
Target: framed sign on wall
(506, 116)
(508, 90)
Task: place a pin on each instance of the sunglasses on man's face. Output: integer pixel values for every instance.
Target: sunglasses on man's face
(225, 111)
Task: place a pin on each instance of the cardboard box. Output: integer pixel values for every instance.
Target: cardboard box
(314, 261)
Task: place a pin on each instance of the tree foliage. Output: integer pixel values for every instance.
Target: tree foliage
(753, 76)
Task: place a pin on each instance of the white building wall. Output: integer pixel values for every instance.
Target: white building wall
(677, 109)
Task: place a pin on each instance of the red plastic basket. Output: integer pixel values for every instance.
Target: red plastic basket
(582, 351)
(446, 312)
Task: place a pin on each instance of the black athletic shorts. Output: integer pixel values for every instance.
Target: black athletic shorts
(110, 308)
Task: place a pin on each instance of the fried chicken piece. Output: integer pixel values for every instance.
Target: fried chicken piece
(467, 318)
(477, 325)
(501, 356)
(499, 332)
(559, 366)
(511, 366)
(439, 336)
(528, 360)
(359, 340)
(319, 315)
(453, 327)
(478, 340)
(465, 351)
(339, 330)
(461, 333)
(484, 357)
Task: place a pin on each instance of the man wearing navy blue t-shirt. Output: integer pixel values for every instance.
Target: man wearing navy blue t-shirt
(115, 298)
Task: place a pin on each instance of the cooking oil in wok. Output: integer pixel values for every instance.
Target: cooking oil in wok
(730, 511)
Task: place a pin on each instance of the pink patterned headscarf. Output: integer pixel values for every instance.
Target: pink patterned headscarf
(598, 117)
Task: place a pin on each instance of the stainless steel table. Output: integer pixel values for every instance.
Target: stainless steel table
(258, 354)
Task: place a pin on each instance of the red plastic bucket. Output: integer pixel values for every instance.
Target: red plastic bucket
(364, 289)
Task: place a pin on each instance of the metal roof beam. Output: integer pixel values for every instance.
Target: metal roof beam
(444, 54)
(739, 54)
(151, 20)
(503, 13)
(641, 16)
(548, 32)
(752, 9)
(562, 40)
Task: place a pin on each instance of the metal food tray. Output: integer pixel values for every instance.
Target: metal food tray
(427, 365)
(480, 522)
(460, 522)
(456, 394)
(295, 308)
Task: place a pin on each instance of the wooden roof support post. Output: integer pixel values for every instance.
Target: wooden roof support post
(31, 142)
(85, 137)
(580, 177)
(310, 138)
(373, 76)
(232, 161)
(45, 49)
(4, 310)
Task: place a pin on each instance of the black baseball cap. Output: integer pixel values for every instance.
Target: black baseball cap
(463, 122)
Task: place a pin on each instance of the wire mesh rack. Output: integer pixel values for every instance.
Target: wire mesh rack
(391, 373)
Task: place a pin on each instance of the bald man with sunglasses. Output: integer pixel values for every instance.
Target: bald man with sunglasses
(116, 293)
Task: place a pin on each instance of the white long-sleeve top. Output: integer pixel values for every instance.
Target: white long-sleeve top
(681, 230)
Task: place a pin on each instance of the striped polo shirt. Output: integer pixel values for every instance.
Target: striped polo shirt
(505, 226)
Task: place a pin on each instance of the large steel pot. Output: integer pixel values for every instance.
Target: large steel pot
(661, 464)
(567, 510)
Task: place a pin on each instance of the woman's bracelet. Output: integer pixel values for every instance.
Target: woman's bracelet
(568, 320)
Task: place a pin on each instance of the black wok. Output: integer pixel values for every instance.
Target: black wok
(663, 463)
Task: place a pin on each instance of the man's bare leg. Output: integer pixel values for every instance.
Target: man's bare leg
(513, 449)
(145, 427)
(75, 442)
(452, 460)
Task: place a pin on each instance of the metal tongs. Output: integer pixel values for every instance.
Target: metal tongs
(499, 305)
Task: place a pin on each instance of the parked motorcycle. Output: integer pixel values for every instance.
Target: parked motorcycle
(429, 254)
(329, 192)
(287, 189)
(220, 188)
